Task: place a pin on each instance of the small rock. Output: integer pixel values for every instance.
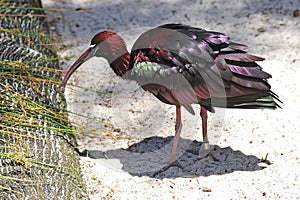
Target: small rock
(117, 130)
(261, 30)
(296, 13)
(206, 189)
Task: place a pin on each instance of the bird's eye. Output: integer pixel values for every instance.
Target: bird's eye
(92, 45)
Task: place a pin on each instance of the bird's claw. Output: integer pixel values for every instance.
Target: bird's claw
(205, 150)
(172, 164)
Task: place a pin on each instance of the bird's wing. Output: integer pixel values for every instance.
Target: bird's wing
(165, 82)
(193, 65)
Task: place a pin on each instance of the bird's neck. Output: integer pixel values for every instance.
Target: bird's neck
(121, 64)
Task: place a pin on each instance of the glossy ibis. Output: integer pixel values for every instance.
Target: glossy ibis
(183, 65)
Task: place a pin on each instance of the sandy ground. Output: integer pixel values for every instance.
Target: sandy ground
(128, 132)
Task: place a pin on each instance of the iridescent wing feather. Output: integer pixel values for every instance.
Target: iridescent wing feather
(182, 65)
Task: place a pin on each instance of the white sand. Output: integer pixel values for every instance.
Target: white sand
(112, 122)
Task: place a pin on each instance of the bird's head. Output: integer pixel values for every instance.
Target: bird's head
(105, 44)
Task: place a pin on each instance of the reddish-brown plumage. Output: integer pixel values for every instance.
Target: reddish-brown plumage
(113, 48)
(182, 65)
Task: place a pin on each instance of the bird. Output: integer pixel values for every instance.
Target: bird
(183, 65)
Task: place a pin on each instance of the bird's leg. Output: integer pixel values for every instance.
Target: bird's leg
(178, 127)
(173, 162)
(205, 147)
(203, 115)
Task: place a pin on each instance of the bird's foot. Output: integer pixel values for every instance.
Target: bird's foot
(205, 150)
(172, 164)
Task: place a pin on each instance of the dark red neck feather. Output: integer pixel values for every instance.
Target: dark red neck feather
(112, 47)
(121, 64)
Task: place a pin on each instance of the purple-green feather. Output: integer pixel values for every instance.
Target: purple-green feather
(201, 57)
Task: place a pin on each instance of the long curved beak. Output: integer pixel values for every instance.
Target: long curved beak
(84, 57)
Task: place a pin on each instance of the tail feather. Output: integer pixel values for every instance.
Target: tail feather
(260, 100)
(254, 72)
